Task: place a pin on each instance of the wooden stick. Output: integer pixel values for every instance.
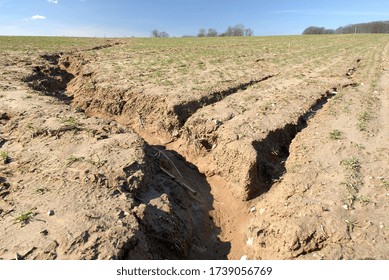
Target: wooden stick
(163, 153)
(178, 181)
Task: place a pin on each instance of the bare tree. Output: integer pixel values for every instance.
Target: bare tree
(237, 30)
(202, 33)
(370, 27)
(212, 32)
(248, 32)
(164, 34)
(314, 30)
(156, 34)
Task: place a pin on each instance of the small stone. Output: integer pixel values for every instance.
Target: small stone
(253, 209)
(243, 258)
(44, 232)
(345, 206)
(50, 213)
(250, 241)
(164, 197)
(175, 133)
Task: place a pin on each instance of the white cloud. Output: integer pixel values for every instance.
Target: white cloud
(36, 17)
(53, 1)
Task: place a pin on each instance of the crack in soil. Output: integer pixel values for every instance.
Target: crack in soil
(273, 151)
(185, 110)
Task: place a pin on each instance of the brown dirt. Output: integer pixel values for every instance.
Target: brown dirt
(285, 162)
(79, 187)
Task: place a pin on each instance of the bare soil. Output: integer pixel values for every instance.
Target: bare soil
(279, 154)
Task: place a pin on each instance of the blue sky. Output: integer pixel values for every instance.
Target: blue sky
(117, 18)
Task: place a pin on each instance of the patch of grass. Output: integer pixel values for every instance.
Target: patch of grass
(384, 183)
(351, 225)
(353, 183)
(336, 134)
(353, 180)
(73, 159)
(351, 164)
(25, 217)
(98, 162)
(363, 120)
(359, 146)
(5, 157)
(365, 200)
(70, 121)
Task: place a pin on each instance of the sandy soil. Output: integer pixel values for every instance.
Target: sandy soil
(283, 155)
(80, 187)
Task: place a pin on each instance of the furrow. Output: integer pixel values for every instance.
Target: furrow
(186, 110)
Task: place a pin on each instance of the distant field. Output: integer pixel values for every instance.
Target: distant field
(49, 44)
(195, 65)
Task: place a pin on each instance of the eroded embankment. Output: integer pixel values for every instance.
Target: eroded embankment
(168, 200)
(246, 149)
(273, 150)
(185, 110)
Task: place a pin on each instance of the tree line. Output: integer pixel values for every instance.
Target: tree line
(236, 30)
(156, 34)
(374, 27)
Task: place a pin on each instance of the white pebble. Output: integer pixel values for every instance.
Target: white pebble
(243, 258)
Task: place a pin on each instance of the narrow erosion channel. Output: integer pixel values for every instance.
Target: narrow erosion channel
(187, 109)
(214, 211)
(273, 150)
(231, 215)
(206, 242)
(219, 218)
(220, 221)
